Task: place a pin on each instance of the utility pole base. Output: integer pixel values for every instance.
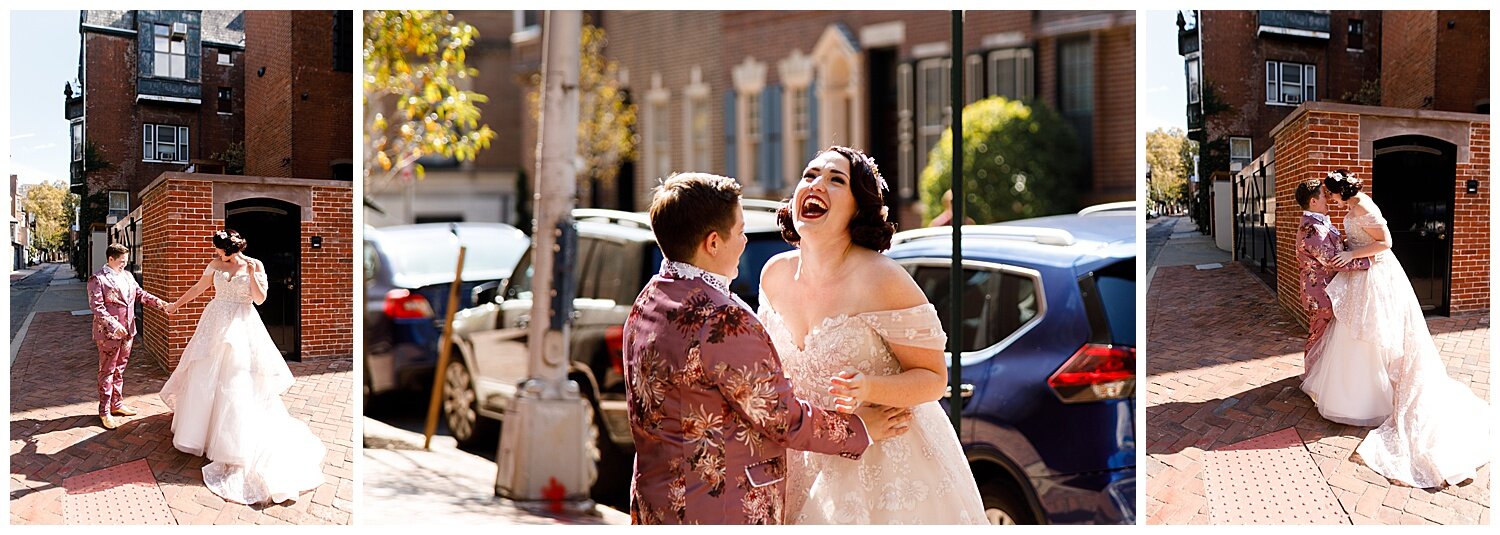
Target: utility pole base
(547, 451)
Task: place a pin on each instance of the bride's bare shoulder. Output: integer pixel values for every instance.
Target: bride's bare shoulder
(892, 288)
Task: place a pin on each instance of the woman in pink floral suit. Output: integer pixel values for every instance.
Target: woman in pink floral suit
(711, 411)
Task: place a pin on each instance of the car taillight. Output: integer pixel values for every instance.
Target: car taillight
(614, 341)
(404, 305)
(1097, 372)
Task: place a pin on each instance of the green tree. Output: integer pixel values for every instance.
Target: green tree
(233, 158)
(53, 207)
(1169, 155)
(414, 103)
(605, 119)
(1019, 161)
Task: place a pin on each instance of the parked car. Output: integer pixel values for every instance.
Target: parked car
(1048, 360)
(408, 270)
(617, 254)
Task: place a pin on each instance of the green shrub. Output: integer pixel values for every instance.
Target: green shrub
(1020, 161)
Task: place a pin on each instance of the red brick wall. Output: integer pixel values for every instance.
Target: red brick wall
(1463, 55)
(114, 118)
(1408, 68)
(268, 119)
(1320, 141)
(178, 216)
(1114, 115)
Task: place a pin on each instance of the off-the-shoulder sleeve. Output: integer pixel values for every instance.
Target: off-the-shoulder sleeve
(1368, 219)
(918, 326)
(262, 282)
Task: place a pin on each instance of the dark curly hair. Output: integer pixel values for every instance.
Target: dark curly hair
(1340, 182)
(229, 241)
(869, 227)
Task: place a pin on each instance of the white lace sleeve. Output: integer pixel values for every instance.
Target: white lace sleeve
(917, 327)
(1368, 219)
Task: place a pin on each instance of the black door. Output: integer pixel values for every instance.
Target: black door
(885, 120)
(273, 230)
(1414, 187)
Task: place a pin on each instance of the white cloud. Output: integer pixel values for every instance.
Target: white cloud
(22, 136)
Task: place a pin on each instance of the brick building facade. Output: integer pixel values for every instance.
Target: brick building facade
(753, 94)
(1398, 98)
(166, 99)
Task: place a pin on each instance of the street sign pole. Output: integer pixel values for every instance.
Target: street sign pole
(546, 448)
(956, 273)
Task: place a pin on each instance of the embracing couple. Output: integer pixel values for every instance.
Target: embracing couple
(824, 408)
(1370, 360)
(225, 393)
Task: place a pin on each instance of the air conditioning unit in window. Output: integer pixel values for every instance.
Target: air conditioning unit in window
(179, 28)
(1293, 99)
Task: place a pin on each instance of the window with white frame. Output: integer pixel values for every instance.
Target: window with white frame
(661, 139)
(170, 50)
(698, 134)
(1194, 84)
(119, 201)
(801, 122)
(1290, 83)
(932, 105)
(1356, 37)
(1240, 153)
(973, 78)
(164, 143)
(226, 57)
(1011, 73)
(75, 131)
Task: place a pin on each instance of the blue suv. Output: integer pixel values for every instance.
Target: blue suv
(1048, 360)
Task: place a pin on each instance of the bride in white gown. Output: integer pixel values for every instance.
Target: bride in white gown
(1436, 432)
(226, 391)
(851, 327)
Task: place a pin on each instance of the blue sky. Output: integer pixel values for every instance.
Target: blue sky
(44, 55)
(1165, 87)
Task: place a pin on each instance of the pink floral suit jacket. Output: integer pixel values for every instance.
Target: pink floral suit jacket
(112, 297)
(711, 412)
(1318, 244)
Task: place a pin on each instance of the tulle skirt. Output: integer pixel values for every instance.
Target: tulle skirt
(1438, 431)
(920, 477)
(1349, 383)
(226, 401)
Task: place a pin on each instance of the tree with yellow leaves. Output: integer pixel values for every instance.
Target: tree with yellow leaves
(414, 106)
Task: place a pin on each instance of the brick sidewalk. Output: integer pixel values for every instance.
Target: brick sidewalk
(55, 432)
(1223, 365)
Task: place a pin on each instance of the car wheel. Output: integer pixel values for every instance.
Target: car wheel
(460, 403)
(1003, 506)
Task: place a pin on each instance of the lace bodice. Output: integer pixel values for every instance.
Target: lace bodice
(859, 341)
(1355, 225)
(236, 288)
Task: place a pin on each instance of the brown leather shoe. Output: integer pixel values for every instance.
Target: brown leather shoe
(123, 410)
(108, 422)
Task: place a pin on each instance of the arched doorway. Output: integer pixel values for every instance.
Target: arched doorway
(1413, 184)
(273, 229)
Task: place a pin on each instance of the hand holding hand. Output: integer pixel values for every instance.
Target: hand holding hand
(120, 332)
(1343, 258)
(849, 388)
(883, 422)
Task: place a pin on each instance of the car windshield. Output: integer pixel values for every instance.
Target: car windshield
(420, 257)
(1112, 302)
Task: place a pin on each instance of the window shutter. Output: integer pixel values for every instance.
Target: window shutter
(813, 145)
(906, 157)
(731, 148)
(148, 142)
(182, 144)
(1273, 93)
(770, 148)
(1310, 81)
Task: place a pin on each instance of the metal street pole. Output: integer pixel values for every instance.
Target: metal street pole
(546, 451)
(956, 270)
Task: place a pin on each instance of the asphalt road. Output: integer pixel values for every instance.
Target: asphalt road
(24, 294)
(1158, 231)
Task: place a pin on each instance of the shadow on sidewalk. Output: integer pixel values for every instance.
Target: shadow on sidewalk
(1212, 424)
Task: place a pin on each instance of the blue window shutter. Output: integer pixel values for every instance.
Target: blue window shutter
(770, 149)
(731, 148)
(812, 120)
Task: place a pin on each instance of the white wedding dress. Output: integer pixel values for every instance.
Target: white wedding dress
(1437, 430)
(920, 477)
(226, 401)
